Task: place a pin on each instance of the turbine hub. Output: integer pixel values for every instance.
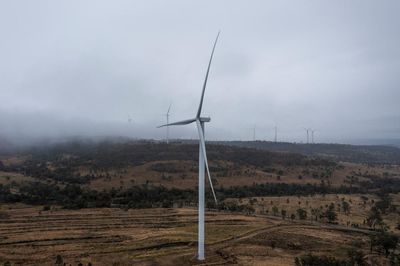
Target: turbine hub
(205, 119)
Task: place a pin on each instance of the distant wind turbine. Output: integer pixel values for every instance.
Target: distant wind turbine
(276, 134)
(129, 119)
(202, 159)
(312, 135)
(308, 134)
(254, 132)
(167, 115)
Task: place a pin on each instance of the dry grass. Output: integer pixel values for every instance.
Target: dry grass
(8, 178)
(242, 175)
(8, 160)
(30, 236)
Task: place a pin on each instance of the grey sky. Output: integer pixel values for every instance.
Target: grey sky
(80, 67)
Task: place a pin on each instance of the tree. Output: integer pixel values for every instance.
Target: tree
(345, 207)
(388, 241)
(385, 241)
(384, 204)
(302, 214)
(374, 218)
(316, 212)
(59, 260)
(249, 209)
(330, 213)
(314, 260)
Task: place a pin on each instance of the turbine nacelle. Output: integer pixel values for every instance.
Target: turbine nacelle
(187, 122)
(205, 119)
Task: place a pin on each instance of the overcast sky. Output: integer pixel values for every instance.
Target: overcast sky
(72, 68)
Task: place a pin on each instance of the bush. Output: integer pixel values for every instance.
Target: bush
(313, 260)
(384, 241)
(59, 260)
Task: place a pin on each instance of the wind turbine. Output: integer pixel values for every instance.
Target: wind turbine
(308, 134)
(167, 115)
(312, 135)
(202, 159)
(254, 132)
(276, 133)
(129, 119)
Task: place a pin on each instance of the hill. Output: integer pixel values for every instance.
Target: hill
(373, 154)
(136, 173)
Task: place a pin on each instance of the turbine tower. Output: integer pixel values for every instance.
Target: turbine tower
(312, 135)
(167, 115)
(308, 134)
(276, 134)
(202, 159)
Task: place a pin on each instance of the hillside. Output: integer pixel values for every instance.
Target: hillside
(129, 170)
(122, 201)
(373, 154)
(109, 165)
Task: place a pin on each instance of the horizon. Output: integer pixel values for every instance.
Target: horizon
(10, 146)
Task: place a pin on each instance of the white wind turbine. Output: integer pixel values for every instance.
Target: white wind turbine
(308, 134)
(167, 115)
(202, 159)
(312, 135)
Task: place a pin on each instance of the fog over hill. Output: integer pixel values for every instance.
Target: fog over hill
(338, 152)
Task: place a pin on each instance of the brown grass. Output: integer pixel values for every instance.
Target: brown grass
(30, 236)
(243, 175)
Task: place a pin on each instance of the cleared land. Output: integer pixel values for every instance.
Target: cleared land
(29, 236)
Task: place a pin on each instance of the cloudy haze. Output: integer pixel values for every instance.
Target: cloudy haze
(84, 67)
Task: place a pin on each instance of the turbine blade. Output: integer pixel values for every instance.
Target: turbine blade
(205, 80)
(203, 148)
(184, 122)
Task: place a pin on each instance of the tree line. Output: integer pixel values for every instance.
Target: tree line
(146, 196)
